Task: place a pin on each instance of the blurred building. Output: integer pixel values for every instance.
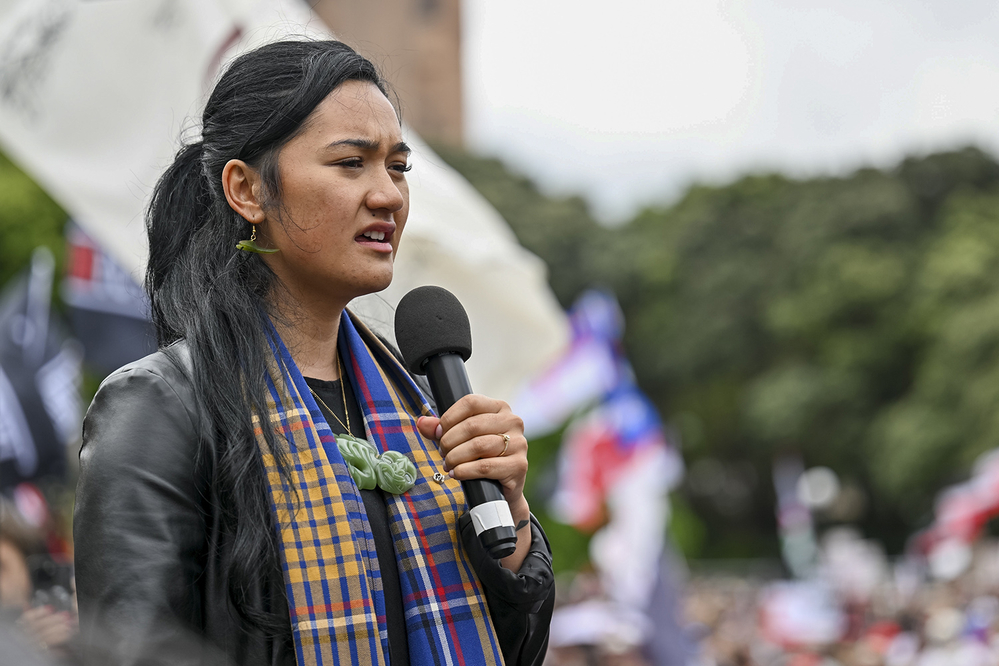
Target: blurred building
(416, 45)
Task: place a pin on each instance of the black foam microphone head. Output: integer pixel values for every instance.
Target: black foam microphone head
(431, 321)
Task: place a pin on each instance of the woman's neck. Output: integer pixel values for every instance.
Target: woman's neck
(310, 334)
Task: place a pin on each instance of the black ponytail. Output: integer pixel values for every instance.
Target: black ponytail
(179, 206)
(210, 294)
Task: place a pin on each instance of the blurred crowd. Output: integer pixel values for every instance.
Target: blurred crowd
(941, 623)
(858, 609)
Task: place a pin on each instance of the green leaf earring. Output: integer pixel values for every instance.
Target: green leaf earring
(250, 245)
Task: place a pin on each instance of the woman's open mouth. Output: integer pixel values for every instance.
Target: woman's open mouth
(377, 240)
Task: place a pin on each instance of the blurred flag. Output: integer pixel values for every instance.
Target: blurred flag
(961, 513)
(108, 310)
(605, 447)
(794, 519)
(581, 377)
(616, 427)
(40, 375)
(616, 467)
(590, 369)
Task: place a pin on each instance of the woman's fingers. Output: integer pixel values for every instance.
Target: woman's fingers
(474, 416)
(472, 405)
(510, 471)
(492, 445)
(429, 427)
(471, 417)
(482, 439)
(482, 425)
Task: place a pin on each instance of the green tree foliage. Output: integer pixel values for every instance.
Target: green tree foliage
(853, 320)
(950, 414)
(28, 218)
(559, 230)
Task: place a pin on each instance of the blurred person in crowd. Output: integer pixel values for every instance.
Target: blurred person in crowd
(47, 620)
(251, 483)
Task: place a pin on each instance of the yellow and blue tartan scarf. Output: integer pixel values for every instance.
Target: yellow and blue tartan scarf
(329, 560)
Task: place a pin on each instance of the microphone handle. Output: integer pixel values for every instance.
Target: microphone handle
(490, 512)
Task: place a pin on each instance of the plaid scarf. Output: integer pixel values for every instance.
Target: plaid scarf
(330, 565)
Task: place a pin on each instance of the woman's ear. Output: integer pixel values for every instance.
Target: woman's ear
(242, 186)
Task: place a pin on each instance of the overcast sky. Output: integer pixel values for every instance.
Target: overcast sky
(630, 101)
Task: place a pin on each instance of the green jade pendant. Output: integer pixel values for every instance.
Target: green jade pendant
(391, 471)
(396, 473)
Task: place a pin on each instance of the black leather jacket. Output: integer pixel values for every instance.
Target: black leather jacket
(150, 554)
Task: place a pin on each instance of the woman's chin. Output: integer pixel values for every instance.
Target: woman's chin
(375, 284)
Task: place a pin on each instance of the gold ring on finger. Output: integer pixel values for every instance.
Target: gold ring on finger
(506, 443)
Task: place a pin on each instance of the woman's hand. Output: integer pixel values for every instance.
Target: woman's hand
(471, 436)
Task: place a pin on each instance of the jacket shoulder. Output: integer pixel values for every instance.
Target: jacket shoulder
(144, 394)
(171, 366)
(173, 363)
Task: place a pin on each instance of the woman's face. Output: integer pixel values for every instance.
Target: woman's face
(344, 199)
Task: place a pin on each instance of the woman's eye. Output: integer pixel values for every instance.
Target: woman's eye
(351, 163)
(401, 167)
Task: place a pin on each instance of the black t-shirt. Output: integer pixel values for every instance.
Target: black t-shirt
(374, 504)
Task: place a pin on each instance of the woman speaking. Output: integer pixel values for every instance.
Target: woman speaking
(272, 487)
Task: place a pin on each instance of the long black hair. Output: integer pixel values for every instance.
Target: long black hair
(205, 291)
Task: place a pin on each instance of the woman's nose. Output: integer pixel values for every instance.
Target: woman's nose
(386, 194)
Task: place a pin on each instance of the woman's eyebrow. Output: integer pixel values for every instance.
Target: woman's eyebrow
(370, 145)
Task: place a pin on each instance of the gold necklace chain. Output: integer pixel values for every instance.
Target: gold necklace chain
(343, 394)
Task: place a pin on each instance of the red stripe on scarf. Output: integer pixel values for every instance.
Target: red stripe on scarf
(362, 384)
(433, 570)
(422, 596)
(356, 604)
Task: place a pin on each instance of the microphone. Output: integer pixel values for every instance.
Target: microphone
(435, 339)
